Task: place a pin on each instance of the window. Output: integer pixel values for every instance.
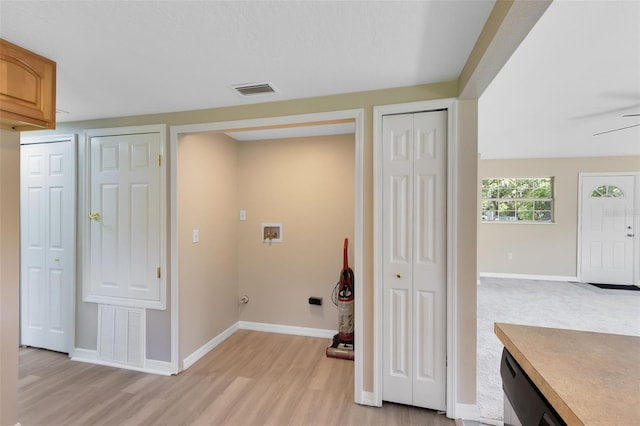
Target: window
(517, 199)
(607, 191)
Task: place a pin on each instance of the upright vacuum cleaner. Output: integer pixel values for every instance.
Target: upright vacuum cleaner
(342, 297)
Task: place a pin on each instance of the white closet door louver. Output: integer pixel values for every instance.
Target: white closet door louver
(121, 335)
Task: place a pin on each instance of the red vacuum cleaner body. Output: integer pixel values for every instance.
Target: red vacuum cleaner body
(342, 346)
(345, 300)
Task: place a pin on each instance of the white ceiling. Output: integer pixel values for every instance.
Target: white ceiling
(120, 58)
(576, 74)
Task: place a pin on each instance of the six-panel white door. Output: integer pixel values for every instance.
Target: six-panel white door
(47, 237)
(607, 229)
(414, 265)
(125, 220)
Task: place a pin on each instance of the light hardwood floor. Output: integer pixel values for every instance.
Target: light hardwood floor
(252, 378)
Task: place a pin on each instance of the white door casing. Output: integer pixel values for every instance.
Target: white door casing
(125, 217)
(608, 252)
(414, 266)
(47, 282)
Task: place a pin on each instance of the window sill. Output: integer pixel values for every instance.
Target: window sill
(516, 222)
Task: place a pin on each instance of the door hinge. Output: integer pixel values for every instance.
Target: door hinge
(158, 272)
(159, 160)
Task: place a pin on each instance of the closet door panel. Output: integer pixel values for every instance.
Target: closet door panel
(397, 267)
(430, 266)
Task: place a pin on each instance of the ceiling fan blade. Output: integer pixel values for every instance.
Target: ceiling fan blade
(615, 130)
(631, 115)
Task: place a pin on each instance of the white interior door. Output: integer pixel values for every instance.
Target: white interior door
(414, 265)
(47, 234)
(607, 229)
(125, 219)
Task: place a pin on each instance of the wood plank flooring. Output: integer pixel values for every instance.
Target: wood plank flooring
(252, 378)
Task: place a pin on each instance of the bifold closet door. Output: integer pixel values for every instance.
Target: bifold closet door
(414, 266)
(47, 252)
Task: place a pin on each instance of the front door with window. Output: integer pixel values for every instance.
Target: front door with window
(607, 234)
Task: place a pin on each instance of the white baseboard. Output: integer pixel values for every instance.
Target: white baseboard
(207, 347)
(528, 276)
(84, 355)
(467, 412)
(286, 329)
(367, 398)
(158, 367)
(90, 356)
(491, 422)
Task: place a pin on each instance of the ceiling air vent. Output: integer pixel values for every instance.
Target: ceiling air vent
(254, 89)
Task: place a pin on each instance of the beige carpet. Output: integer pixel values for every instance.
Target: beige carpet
(548, 304)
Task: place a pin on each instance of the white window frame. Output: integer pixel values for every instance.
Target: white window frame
(515, 200)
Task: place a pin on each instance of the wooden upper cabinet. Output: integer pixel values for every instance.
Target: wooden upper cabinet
(27, 89)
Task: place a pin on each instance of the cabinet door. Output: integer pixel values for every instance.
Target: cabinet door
(27, 88)
(125, 221)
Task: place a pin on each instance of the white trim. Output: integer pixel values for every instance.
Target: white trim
(528, 277)
(368, 398)
(450, 105)
(84, 355)
(155, 366)
(355, 114)
(467, 412)
(636, 225)
(286, 329)
(207, 347)
(28, 140)
(492, 422)
(173, 250)
(358, 251)
(90, 356)
(84, 195)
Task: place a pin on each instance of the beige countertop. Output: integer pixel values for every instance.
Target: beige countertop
(589, 378)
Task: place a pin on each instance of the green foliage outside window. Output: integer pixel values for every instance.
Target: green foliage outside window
(517, 199)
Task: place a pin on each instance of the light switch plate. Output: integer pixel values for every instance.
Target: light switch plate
(243, 215)
(196, 236)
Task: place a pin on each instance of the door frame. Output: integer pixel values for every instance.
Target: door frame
(636, 220)
(357, 115)
(450, 105)
(71, 298)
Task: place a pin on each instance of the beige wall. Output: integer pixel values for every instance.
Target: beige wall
(467, 242)
(9, 273)
(307, 185)
(207, 171)
(541, 249)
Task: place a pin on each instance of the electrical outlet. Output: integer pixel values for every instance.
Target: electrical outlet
(510, 256)
(315, 300)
